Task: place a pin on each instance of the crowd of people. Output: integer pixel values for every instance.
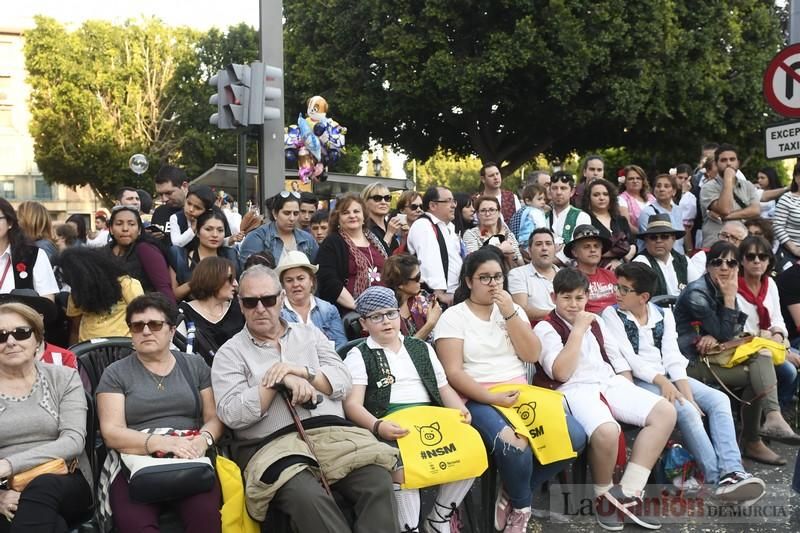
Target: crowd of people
(620, 294)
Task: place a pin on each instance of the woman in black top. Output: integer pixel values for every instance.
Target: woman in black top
(600, 201)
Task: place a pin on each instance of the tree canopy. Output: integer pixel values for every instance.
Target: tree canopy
(511, 79)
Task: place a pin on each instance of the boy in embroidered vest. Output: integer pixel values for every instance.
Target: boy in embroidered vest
(392, 372)
(646, 337)
(597, 397)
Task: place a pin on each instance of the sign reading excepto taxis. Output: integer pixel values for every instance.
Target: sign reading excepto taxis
(782, 140)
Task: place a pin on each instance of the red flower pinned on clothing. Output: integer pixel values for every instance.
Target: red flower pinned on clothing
(22, 269)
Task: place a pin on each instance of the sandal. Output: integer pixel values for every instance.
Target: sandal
(785, 437)
(779, 461)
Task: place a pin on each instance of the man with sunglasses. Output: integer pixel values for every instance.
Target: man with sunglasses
(587, 248)
(277, 464)
(491, 181)
(673, 270)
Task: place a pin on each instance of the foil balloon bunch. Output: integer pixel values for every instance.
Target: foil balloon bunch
(316, 142)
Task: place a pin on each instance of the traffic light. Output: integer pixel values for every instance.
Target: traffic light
(238, 94)
(220, 118)
(265, 88)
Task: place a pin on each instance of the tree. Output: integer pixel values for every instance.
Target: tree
(509, 80)
(100, 94)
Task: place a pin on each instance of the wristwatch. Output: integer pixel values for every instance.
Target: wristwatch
(312, 374)
(208, 437)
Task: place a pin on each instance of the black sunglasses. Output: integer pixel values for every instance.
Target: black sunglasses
(416, 278)
(152, 325)
(718, 261)
(21, 333)
(415, 207)
(251, 302)
(378, 197)
(564, 178)
(752, 256)
(660, 236)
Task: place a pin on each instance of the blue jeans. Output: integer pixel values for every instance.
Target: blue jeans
(721, 457)
(787, 383)
(520, 471)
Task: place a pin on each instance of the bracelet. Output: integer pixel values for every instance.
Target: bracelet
(207, 432)
(375, 427)
(512, 315)
(146, 441)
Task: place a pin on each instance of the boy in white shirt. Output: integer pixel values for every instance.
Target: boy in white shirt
(646, 337)
(575, 362)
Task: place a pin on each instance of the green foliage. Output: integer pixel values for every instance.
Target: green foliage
(512, 79)
(100, 94)
(458, 173)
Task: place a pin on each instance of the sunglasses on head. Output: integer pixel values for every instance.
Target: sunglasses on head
(251, 302)
(564, 178)
(718, 261)
(21, 333)
(286, 194)
(752, 256)
(378, 197)
(152, 325)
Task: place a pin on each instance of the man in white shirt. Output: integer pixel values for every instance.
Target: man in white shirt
(531, 285)
(564, 218)
(432, 238)
(673, 269)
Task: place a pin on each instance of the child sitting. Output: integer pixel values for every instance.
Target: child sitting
(645, 336)
(392, 372)
(574, 359)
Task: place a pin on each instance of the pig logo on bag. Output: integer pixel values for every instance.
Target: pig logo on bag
(527, 412)
(429, 435)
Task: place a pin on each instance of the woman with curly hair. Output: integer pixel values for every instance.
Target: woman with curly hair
(351, 257)
(600, 202)
(100, 292)
(635, 196)
(34, 219)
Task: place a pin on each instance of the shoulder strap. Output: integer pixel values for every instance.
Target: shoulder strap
(442, 245)
(180, 359)
(569, 223)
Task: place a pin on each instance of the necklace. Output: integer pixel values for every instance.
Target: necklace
(159, 382)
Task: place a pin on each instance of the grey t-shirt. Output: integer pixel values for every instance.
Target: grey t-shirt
(148, 407)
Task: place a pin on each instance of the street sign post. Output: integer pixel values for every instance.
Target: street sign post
(782, 82)
(782, 140)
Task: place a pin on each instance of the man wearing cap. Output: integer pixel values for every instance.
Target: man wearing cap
(280, 468)
(673, 269)
(563, 217)
(297, 276)
(587, 248)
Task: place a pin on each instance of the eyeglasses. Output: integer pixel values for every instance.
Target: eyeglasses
(378, 197)
(445, 201)
(231, 278)
(486, 279)
(21, 333)
(251, 302)
(416, 278)
(659, 237)
(489, 211)
(377, 318)
(718, 261)
(752, 256)
(415, 207)
(287, 194)
(623, 290)
(152, 325)
(728, 237)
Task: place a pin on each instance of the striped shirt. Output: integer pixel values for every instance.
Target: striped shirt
(242, 362)
(787, 219)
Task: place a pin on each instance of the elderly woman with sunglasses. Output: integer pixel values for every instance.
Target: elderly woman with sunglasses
(378, 200)
(43, 417)
(707, 313)
(146, 406)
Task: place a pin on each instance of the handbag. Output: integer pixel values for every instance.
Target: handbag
(155, 480)
(19, 481)
(722, 354)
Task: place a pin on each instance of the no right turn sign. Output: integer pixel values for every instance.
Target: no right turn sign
(782, 82)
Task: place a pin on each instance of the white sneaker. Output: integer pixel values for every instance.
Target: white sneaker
(741, 488)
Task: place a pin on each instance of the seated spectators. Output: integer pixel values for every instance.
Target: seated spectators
(575, 359)
(101, 291)
(587, 248)
(484, 339)
(674, 270)
(43, 416)
(645, 336)
(270, 352)
(635, 195)
(31, 267)
(419, 311)
(664, 190)
(418, 379)
(297, 276)
(706, 314)
(531, 285)
(563, 217)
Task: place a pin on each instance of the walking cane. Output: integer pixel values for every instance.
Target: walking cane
(311, 404)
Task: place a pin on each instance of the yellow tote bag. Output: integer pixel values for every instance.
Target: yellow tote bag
(539, 415)
(234, 513)
(439, 447)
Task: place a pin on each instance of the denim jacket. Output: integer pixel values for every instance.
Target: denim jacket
(266, 238)
(326, 317)
(699, 311)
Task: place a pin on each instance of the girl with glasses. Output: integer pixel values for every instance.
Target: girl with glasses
(419, 311)
(708, 313)
(213, 311)
(492, 230)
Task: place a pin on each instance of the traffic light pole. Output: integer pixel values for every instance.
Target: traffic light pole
(271, 168)
(241, 149)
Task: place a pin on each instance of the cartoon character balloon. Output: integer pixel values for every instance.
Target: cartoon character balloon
(316, 142)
